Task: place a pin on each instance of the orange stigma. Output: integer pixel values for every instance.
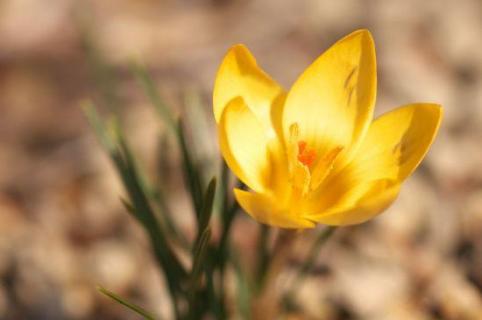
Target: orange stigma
(305, 155)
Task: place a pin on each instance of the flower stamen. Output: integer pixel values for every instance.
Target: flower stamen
(305, 155)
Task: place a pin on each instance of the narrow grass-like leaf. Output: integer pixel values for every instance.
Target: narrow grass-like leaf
(203, 262)
(128, 206)
(191, 174)
(207, 209)
(199, 256)
(145, 214)
(97, 124)
(151, 91)
(216, 300)
(229, 210)
(139, 310)
(103, 74)
(197, 117)
(243, 290)
(149, 86)
(139, 205)
(158, 194)
(221, 200)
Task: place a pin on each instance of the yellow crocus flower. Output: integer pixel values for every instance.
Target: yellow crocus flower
(313, 154)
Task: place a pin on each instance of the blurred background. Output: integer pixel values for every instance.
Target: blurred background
(63, 229)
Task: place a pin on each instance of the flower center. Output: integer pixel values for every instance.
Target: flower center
(305, 155)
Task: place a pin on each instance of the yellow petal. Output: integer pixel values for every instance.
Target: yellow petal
(268, 210)
(244, 144)
(396, 142)
(393, 147)
(333, 100)
(374, 201)
(240, 76)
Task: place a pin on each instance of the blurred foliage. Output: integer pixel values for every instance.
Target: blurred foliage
(63, 229)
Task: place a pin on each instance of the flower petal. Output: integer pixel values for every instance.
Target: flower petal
(396, 142)
(268, 210)
(374, 201)
(240, 76)
(244, 144)
(393, 147)
(333, 100)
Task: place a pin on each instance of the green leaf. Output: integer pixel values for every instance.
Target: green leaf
(102, 73)
(128, 206)
(142, 312)
(207, 209)
(139, 207)
(228, 214)
(243, 295)
(201, 261)
(157, 194)
(199, 256)
(197, 116)
(191, 174)
(145, 214)
(221, 202)
(151, 91)
(97, 124)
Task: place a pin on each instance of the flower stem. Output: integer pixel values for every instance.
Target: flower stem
(310, 260)
(263, 255)
(264, 303)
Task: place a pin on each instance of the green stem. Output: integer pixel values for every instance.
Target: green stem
(310, 260)
(220, 253)
(263, 255)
